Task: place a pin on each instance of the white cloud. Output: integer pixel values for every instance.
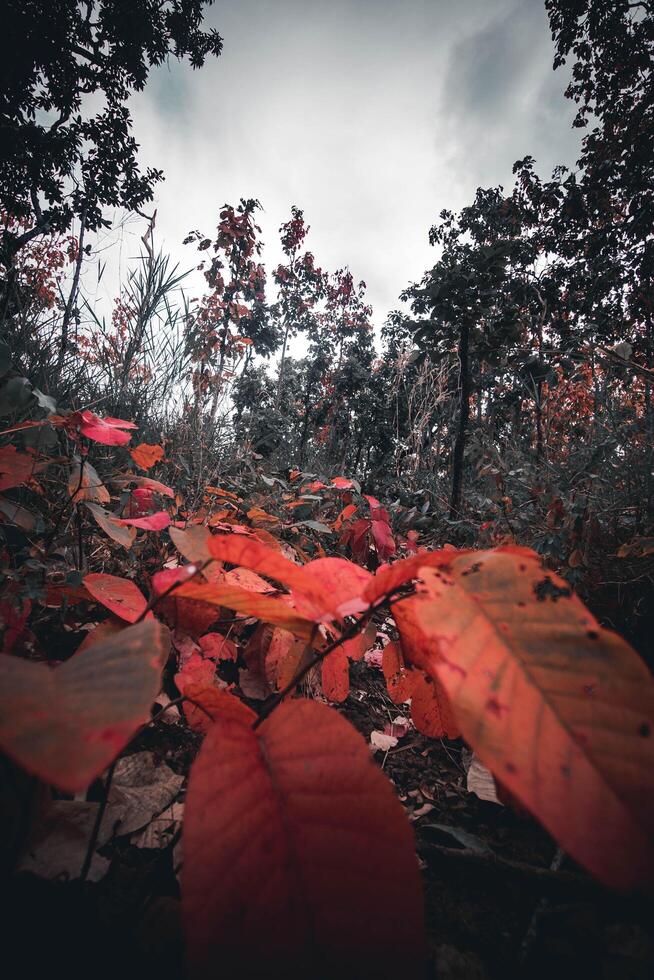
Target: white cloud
(371, 116)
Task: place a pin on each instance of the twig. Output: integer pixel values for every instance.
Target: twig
(546, 879)
(539, 911)
(98, 822)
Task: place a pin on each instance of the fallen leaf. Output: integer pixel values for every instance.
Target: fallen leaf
(59, 842)
(140, 789)
(479, 781)
(381, 742)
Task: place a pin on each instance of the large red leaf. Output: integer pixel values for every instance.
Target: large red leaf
(328, 584)
(120, 595)
(298, 859)
(68, 724)
(559, 709)
(239, 549)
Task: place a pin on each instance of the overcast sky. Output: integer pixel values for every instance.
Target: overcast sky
(370, 115)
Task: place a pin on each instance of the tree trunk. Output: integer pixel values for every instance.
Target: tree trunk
(280, 379)
(464, 416)
(70, 304)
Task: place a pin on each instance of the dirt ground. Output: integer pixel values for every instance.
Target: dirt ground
(501, 900)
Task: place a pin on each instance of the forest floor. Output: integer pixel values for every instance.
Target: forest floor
(501, 901)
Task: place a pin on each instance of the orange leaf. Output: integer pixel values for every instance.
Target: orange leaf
(181, 613)
(247, 579)
(560, 710)
(145, 455)
(85, 484)
(283, 658)
(308, 834)
(344, 515)
(342, 483)
(266, 608)
(431, 711)
(390, 577)
(335, 675)
(259, 517)
(399, 679)
(68, 724)
(212, 703)
(218, 647)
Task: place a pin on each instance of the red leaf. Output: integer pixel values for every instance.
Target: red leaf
(318, 588)
(154, 522)
(214, 702)
(119, 595)
(107, 431)
(384, 542)
(307, 858)
(178, 611)
(68, 724)
(15, 467)
(218, 647)
(357, 538)
(141, 502)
